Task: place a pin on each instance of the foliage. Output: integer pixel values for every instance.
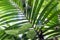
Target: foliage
(29, 17)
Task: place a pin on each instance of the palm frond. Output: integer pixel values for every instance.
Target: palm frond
(19, 16)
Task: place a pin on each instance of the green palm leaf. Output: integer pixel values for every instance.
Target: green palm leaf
(28, 17)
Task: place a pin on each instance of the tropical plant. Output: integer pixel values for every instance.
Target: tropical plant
(29, 19)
